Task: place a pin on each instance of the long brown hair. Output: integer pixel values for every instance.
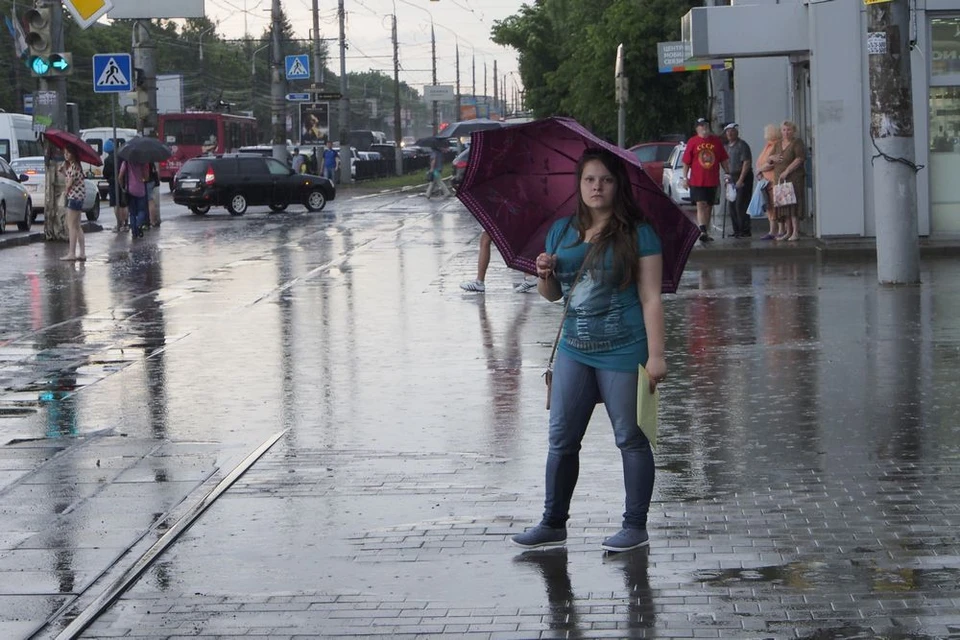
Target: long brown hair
(621, 230)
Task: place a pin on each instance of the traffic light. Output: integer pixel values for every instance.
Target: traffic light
(39, 38)
(41, 61)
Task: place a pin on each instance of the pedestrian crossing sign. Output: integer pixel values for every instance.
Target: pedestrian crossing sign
(298, 67)
(112, 73)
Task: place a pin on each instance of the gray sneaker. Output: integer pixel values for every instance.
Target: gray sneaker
(540, 536)
(626, 539)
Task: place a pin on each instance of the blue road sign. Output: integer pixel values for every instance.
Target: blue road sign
(299, 97)
(112, 73)
(298, 67)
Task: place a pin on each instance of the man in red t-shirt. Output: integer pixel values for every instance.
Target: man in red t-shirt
(702, 159)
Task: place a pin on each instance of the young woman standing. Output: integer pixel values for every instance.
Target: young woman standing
(76, 190)
(606, 260)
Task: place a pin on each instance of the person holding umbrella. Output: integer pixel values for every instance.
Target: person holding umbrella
(606, 261)
(76, 192)
(135, 175)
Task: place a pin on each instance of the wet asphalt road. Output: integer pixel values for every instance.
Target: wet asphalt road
(807, 476)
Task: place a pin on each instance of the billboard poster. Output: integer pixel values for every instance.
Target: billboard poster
(314, 122)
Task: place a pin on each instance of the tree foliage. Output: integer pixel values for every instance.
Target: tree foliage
(567, 51)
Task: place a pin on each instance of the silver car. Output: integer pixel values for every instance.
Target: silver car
(678, 191)
(33, 168)
(15, 203)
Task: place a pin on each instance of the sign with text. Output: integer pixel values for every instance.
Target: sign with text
(140, 10)
(438, 93)
(672, 58)
(45, 107)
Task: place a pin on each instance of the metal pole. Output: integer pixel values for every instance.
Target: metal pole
(397, 132)
(344, 119)
(317, 63)
(54, 220)
(496, 96)
(116, 169)
(620, 82)
(144, 60)
(458, 116)
(277, 92)
(433, 49)
(892, 133)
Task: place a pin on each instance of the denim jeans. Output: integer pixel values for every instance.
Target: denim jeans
(577, 388)
(328, 172)
(137, 206)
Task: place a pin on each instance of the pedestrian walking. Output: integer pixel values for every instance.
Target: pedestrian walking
(153, 199)
(299, 160)
(115, 195)
(436, 175)
(605, 260)
(483, 263)
(75, 193)
(702, 159)
(133, 178)
(741, 175)
(331, 161)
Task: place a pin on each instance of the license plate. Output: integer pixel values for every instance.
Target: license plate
(32, 188)
(189, 184)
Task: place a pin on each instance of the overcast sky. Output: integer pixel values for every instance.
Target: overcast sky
(368, 35)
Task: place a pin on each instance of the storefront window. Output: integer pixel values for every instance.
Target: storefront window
(945, 39)
(944, 159)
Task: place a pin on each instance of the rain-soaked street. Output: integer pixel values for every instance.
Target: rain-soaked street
(808, 475)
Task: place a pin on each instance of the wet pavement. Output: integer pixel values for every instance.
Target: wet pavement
(808, 475)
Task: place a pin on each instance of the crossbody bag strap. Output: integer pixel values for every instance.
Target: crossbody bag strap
(566, 307)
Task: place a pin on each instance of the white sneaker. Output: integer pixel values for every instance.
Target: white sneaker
(525, 286)
(473, 285)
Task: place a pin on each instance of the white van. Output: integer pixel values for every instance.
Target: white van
(17, 138)
(95, 137)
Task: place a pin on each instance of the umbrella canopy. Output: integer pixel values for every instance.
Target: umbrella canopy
(61, 139)
(521, 179)
(466, 127)
(143, 150)
(433, 142)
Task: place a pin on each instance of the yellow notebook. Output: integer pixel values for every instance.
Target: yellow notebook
(647, 404)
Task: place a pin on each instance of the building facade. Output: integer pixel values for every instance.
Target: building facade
(807, 61)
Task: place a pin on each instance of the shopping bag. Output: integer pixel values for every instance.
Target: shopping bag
(783, 194)
(731, 192)
(758, 207)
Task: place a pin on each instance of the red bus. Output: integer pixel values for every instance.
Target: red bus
(197, 133)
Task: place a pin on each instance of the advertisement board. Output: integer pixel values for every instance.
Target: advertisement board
(314, 122)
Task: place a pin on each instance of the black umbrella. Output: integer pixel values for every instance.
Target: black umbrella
(433, 142)
(143, 150)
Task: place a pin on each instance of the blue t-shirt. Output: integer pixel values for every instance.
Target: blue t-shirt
(604, 327)
(330, 158)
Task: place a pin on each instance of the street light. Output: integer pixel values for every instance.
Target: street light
(253, 60)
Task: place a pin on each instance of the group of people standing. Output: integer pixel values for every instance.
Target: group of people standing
(131, 187)
(782, 160)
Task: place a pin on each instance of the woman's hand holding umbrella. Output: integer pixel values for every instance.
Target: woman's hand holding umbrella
(546, 263)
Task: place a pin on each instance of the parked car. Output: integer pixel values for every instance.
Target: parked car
(460, 164)
(36, 183)
(238, 181)
(652, 155)
(672, 172)
(15, 205)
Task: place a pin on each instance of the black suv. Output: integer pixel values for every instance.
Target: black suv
(237, 181)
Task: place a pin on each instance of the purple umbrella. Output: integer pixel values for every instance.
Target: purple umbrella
(522, 178)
